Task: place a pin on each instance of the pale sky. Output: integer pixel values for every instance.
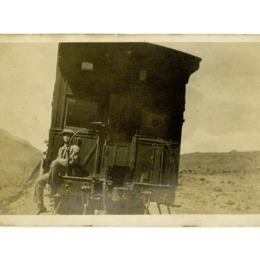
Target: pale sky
(27, 77)
(221, 100)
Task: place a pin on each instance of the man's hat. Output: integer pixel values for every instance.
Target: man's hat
(67, 132)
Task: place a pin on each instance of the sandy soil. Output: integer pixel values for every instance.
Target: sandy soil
(207, 193)
(217, 194)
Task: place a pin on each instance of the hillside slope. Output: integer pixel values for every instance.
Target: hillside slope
(18, 159)
(230, 162)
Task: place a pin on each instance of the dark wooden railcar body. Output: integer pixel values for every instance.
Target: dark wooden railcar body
(125, 101)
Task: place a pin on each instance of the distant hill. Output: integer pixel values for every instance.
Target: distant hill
(18, 158)
(230, 162)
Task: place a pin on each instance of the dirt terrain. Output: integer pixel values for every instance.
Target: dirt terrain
(209, 183)
(216, 190)
(18, 160)
(197, 194)
(218, 183)
(217, 193)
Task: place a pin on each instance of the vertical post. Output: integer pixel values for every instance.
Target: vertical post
(97, 156)
(104, 197)
(126, 151)
(159, 208)
(152, 165)
(162, 165)
(115, 154)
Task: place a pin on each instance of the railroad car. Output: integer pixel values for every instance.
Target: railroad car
(125, 104)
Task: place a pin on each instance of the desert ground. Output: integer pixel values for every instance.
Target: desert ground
(209, 183)
(218, 193)
(197, 193)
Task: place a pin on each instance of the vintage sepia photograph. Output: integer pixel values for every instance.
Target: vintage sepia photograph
(129, 130)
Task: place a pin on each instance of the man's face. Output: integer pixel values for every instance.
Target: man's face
(66, 138)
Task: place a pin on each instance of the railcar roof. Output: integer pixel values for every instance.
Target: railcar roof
(115, 64)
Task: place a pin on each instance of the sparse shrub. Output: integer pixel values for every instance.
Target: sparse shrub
(218, 189)
(230, 203)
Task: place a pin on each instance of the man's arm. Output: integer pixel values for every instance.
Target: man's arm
(60, 153)
(74, 155)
